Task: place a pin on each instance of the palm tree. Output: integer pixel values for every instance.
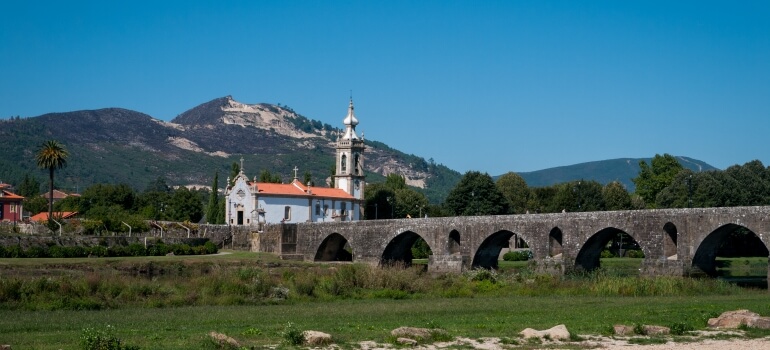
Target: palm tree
(51, 156)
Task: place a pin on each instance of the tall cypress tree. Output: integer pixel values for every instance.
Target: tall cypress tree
(212, 210)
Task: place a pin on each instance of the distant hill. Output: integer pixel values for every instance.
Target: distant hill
(603, 171)
(114, 145)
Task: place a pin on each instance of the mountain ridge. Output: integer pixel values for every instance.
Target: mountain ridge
(622, 170)
(117, 145)
(114, 145)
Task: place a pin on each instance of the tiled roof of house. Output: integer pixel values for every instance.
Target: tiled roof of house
(296, 188)
(8, 195)
(58, 194)
(44, 215)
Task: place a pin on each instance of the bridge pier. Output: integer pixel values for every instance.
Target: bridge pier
(369, 260)
(448, 263)
(548, 266)
(659, 267)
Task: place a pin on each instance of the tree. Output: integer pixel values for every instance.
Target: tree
(616, 196)
(52, 156)
(29, 187)
(158, 185)
(379, 201)
(515, 190)
(542, 200)
(235, 169)
(35, 204)
(185, 205)
(212, 210)
(410, 203)
(579, 196)
(476, 194)
(655, 177)
(266, 177)
(108, 195)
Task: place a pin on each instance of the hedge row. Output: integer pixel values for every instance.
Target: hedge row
(134, 249)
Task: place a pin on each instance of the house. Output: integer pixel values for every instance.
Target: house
(257, 203)
(11, 204)
(57, 195)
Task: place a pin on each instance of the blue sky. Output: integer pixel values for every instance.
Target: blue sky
(493, 86)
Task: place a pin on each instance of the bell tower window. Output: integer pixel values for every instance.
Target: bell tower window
(344, 164)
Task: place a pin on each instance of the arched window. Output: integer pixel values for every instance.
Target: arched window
(344, 164)
(355, 163)
(287, 213)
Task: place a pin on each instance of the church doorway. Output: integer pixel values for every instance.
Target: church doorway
(240, 217)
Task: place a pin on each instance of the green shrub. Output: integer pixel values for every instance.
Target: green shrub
(14, 251)
(98, 250)
(75, 252)
(518, 255)
(293, 335)
(680, 328)
(211, 248)
(94, 339)
(607, 254)
(136, 249)
(634, 254)
(117, 250)
(57, 252)
(36, 252)
(159, 249)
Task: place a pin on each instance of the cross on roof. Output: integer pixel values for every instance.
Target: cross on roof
(295, 172)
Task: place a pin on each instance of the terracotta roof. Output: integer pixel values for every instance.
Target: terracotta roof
(58, 194)
(296, 188)
(7, 195)
(44, 215)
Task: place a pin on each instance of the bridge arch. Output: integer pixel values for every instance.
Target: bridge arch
(670, 241)
(399, 249)
(332, 248)
(453, 243)
(588, 258)
(555, 247)
(724, 238)
(488, 252)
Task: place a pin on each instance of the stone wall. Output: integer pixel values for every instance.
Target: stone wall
(224, 236)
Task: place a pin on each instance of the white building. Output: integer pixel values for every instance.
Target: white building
(258, 203)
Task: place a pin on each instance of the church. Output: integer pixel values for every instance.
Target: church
(257, 203)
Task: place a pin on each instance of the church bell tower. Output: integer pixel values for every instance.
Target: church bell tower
(350, 158)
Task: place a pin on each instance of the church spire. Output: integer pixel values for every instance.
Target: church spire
(350, 123)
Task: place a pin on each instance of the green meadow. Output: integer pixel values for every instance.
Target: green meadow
(173, 302)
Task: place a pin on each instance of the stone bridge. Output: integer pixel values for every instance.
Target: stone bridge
(674, 241)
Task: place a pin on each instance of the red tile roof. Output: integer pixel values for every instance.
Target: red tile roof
(8, 195)
(296, 188)
(44, 215)
(58, 194)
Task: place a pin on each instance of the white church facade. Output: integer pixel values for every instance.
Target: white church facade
(257, 203)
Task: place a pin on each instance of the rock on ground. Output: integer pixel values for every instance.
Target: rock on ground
(656, 330)
(223, 339)
(737, 318)
(559, 332)
(411, 332)
(406, 341)
(621, 329)
(317, 338)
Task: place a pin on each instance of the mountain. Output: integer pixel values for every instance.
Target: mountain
(114, 145)
(604, 171)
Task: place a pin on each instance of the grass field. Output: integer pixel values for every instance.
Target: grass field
(350, 321)
(351, 302)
